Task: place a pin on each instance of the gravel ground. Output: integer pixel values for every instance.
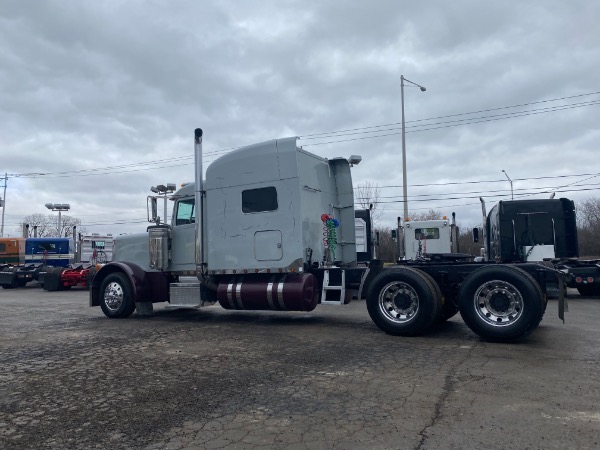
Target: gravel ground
(210, 378)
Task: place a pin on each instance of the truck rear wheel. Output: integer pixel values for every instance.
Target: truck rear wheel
(501, 303)
(52, 281)
(116, 298)
(404, 301)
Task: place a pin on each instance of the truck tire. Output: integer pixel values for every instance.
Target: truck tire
(12, 283)
(52, 281)
(501, 303)
(116, 298)
(404, 301)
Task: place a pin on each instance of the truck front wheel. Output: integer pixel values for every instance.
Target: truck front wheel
(116, 298)
(403, 301)
(501, 303)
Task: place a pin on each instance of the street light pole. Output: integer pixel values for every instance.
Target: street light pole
(404, 181)
(59, 207)
(512, 197)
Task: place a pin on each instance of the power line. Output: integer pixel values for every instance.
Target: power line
(111, 169)
(527, 191)
(470, 122)
(487, 196)
(453, 115)
(502, 180)
(474, 119)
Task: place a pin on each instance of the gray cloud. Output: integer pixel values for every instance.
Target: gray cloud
(107, 84)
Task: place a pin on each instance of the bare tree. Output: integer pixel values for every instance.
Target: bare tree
(432, 214)
(40, 222)
(387, 250)
(47, 225)
(588, 213)
(366, 194)
(588, 224)
(465, 242)
(67, 223)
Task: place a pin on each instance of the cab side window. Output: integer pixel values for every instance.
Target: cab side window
(186, 212)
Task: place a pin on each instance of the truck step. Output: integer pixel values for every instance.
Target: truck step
(185, 295)
(333, 292)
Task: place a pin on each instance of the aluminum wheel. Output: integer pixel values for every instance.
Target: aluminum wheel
(113, 296)
(498, 303)
(399, 302)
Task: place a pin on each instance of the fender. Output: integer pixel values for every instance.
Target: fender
(375, 267)
(145, 286)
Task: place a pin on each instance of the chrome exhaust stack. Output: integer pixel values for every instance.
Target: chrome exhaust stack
(199, 194)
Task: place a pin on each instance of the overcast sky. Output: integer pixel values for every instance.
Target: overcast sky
(99, 100)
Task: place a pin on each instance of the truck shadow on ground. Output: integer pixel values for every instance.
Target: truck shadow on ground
(454, 329)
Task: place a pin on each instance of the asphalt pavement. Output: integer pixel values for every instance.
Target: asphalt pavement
(330, 379)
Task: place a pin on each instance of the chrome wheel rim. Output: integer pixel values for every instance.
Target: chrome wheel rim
(113, 296)
(498, 303)
(398, 302)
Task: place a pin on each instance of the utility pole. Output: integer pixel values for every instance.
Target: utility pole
(3, 203)
(404, 181)
(512, 197)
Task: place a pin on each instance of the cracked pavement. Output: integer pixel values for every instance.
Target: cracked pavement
(328, 379)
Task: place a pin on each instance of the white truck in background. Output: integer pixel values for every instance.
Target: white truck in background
(95, 248)
(426, 239)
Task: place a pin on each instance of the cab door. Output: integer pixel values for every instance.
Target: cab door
(183, 242)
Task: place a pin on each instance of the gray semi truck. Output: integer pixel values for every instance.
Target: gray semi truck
(271, 226)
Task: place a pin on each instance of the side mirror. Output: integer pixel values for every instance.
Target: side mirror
(154, 209)
(377, 238)
(394, 234)
(475, 234)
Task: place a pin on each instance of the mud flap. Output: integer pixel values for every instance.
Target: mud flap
(563, 304)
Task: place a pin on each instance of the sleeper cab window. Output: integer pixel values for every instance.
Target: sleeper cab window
(186, 213)
(259, 200)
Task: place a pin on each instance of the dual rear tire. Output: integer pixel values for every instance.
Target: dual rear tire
(404, 301)
(499, 303)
